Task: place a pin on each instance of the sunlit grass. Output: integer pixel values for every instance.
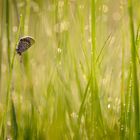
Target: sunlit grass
(79, 80)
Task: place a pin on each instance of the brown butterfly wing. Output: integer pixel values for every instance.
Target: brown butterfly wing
(28, 39)
(24, 44)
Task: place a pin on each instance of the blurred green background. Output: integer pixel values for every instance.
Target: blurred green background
(80, 79)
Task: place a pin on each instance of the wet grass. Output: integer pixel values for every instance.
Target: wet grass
(79, 80)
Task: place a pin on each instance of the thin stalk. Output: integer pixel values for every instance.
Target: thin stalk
(1, 37)
(26, 56)
(134, 70)
(27, 16)
(93, 35)
(128, 107)
(8, 95)
(83, 101)
(122, 117)
(28, 72)
(14, 125)
(96, 114)
(122, 123)
(137, 43)
(13, 58)
(103, 47)
(16, 10)
(8, 30)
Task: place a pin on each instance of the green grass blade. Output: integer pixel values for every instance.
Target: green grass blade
(134, 71)
(8, 30)
(81, 110)
(96, 115)
(8, 95)
(128, 107)
(14, 125)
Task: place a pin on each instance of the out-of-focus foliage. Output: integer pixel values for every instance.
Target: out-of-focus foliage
(53, 93)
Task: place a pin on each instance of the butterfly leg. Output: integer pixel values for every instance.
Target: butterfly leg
(21, 58)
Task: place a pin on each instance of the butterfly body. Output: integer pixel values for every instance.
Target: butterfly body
(24, 43)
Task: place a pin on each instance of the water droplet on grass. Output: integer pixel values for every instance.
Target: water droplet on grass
(108, 106)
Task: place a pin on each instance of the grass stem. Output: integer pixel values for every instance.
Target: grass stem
(134, 70)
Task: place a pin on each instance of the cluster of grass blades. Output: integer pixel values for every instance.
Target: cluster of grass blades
(66, 87)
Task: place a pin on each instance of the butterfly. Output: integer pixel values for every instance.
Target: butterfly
(24, 43)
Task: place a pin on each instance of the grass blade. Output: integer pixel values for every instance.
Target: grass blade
(134, 71)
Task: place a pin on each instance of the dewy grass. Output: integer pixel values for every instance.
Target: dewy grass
(31, 126)
(128, 107)
(73, 72)
(96, 114)
(26, 56)
(8, 95)
(134, 72)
